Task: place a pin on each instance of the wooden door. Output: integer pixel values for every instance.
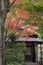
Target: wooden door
(30, 53)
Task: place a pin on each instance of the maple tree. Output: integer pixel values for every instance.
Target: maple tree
(12, 20)
(26, 14)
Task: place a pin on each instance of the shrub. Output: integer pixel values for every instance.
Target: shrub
(15, 53)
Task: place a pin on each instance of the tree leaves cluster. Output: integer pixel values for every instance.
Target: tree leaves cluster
(32, 6)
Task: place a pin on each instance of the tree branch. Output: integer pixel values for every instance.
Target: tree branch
(12, 3)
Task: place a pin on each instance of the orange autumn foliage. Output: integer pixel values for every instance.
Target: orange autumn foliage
(11, 22)
(22, 13)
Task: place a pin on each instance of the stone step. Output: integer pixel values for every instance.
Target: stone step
(27, 63)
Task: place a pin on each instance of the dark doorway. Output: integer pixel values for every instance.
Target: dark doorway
(30, 53)
(33, 53)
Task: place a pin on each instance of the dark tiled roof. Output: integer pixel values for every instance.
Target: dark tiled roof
(24, 39)
(29, 39)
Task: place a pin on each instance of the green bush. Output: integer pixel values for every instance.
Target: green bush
(14, 53)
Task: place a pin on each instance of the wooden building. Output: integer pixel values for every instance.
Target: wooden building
(34, 52)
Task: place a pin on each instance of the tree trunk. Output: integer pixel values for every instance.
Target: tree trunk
(0, 46)
(3, 12)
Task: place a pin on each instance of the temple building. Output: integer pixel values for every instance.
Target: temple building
(34, 52)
